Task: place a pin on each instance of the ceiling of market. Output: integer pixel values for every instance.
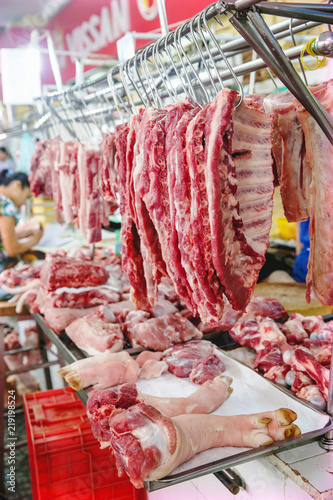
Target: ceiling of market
(28, 12)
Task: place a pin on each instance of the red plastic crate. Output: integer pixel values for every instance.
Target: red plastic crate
(65, 459)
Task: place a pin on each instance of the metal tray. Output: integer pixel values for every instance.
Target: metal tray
(261, 395)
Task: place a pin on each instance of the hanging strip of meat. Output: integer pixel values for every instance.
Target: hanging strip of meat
(319, 152)
(130, 242)
(236, 263)
(289, 155)
(252, 151)
(150, 246)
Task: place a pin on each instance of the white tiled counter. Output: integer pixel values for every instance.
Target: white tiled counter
(302, 473)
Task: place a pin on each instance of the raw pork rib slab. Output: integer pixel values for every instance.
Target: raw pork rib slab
(154, 265)
(161, 333)
(201, 251)
(289, 155)
(236, 263)
(252, 151)
(158, 198)
(58, 272)
(319, 152)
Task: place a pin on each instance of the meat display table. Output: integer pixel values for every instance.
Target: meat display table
(282, 465)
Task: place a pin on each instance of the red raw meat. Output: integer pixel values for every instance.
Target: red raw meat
(266, 308)
(206, 369)
(251, 145)
(94, 335)
(80, 300)
(88, 164)
(289, 155)
(42, 164)
(230, 250)
(268, 358)
(154, 264)
(319, 152)
(257, 333)
(201, 250)
(66, 151)
(109, 174)
(181, 358)
(132, 261)
(163, 332)
(302, 360)
(58, 272)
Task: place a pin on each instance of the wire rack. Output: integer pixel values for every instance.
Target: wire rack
(194, 61)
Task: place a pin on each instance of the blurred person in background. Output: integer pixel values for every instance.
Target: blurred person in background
(6, 163)
(14, 191)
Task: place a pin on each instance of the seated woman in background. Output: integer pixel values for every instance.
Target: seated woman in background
(14, 191)
(6, 163)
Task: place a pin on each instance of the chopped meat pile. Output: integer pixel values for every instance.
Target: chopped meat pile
(296, 353)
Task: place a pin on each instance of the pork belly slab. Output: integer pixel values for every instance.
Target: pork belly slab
(94, 335)
(58, 272)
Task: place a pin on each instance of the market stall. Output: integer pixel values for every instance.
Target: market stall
(188, 367)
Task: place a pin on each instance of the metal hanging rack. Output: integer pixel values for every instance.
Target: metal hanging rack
(192, 62)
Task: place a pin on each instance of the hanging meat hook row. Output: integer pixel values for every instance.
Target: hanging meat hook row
(294, 42)
(225, 59)
(120, 105)
(128, 95)
(162, 72)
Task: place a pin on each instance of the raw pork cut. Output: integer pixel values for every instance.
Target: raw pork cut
(79, 298)
(88, 160)
(236, 263)
(289, 154)
(94, 335)
(101, 371)
(163, 332)
(152, 369)
(57, 272)
(132, 261)
(148, 355)
(109, 175)
(148, 445)
(210, 396)
(251, 145)
(319, 152)
(257, 333)
(206, 369)
(181, 358)
(58, 318)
